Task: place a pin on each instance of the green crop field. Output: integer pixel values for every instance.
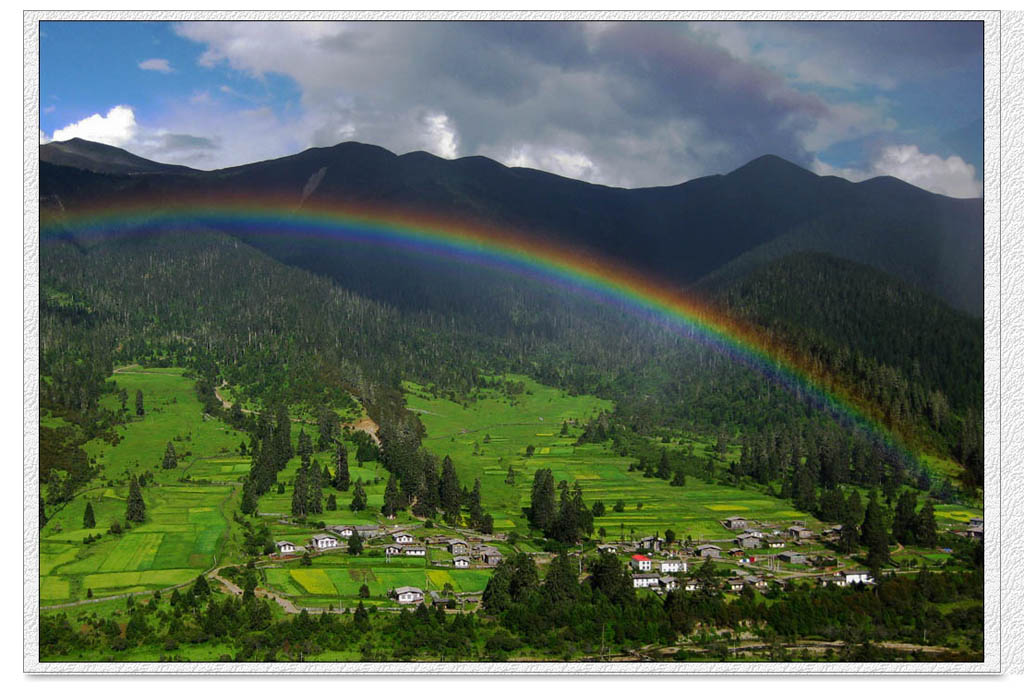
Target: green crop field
(185, 524)
(535, 418)
(336, 578)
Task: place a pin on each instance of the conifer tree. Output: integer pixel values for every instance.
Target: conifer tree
(136, 510)
(542, 499)
(355, 544)
(874, 535)
(140, 410)
(927, 530)
(341, 474)
(451, 496)
(248, 497)
(88, 519)
(392, 500)
(305, 445)
(358, 497)
(299, 493)
(170, 457)
(904, 519)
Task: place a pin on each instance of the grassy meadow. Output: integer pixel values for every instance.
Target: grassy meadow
(486, 437)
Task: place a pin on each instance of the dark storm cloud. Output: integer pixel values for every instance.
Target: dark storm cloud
(632, 103)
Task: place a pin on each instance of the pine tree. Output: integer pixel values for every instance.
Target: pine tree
(664, 468)
(314, 490)
(139, 409)
(542, 499)
(927, 530)
(874, 536)
(136, 510)
(299, 493)
(451, 496)
(332, 503)
(170, 457)
(89, 519)
(904, 519)
(305, 445)
(392, 500)
(355, 544)
(358, 497)
(341, 474)
(248, 497)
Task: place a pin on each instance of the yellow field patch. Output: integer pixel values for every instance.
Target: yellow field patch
(546, 435)
(959, 515)
(314, 580)
(544, 451)
(726, 507)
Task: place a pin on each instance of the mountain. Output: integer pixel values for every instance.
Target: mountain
(102, 158)
(684, 233)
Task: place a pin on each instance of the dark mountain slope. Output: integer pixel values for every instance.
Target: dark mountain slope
(681, 232)
(898, 229)
(886, 340)
(102, 158)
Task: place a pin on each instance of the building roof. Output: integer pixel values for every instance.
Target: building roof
(708, 546)
(646, 576)
(856, 572)
(640, 557)
(324, 536)
(735, 517)
(456, 541)
(406, 590)
(791, 554)
(285, 542)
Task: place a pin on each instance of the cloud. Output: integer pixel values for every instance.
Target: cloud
(950, 176)
(156, 65)
(627, 104)
(117, 128)
(440, 136)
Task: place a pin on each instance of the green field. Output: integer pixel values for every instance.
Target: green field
(535, 418)
(335, 578)
(185, 524)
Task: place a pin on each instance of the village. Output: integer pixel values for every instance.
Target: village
(760, 556)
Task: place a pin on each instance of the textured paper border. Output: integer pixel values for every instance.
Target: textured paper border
(999, 310)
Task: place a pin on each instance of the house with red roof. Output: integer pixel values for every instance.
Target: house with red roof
(640, 563)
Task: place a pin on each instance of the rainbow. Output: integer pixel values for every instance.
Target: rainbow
(531, 256)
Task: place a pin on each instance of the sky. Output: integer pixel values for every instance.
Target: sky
(630, 104)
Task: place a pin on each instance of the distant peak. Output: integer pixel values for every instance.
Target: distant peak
(770, 164)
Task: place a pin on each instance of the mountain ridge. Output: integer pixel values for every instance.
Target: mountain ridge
(683, 233)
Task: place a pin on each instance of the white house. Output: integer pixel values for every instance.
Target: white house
(645, 580)
(344, 531)
(640, 562)
(408, 595)
(460, 562)
(415, 550)
(736, 584)
(668, 583)
(392, 550)
(285, 547)
(324, 541)
(799, 532)
(691, 586)
(857, 577)
(403, 537)
(457, 546)
(705, 550)
(673, 565)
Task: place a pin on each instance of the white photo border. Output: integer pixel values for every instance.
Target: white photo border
(1004, 47)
